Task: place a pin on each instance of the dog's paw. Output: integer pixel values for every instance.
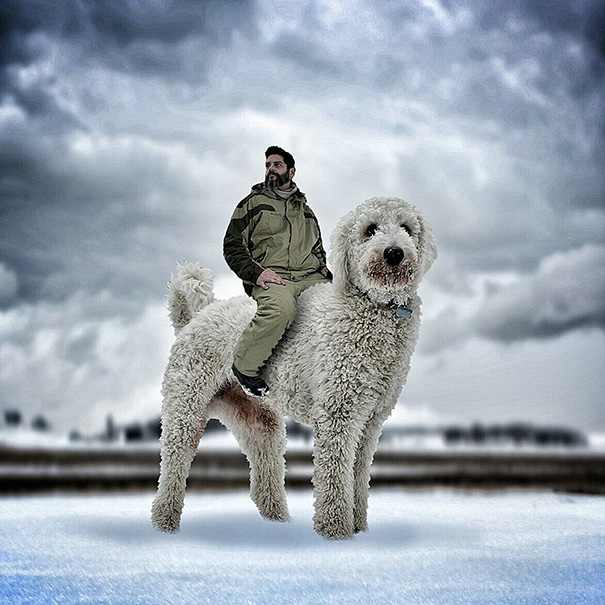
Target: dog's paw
(165, 518)
(335, 533)
(361, 522)
(333, 528)
(168, 528)
(164, 524)
(274, 511)
(281, 516)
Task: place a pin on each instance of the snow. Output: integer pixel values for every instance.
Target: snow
(440, 546)
(29, 438)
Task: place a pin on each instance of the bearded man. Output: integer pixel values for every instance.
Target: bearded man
(273, 244)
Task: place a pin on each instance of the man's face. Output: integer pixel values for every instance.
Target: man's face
(277, 175)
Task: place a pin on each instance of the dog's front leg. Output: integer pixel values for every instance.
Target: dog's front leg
(333, 458)
(363, 462)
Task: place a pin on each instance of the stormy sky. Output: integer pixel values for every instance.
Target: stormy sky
(130, 130)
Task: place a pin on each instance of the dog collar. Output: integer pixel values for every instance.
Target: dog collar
(402, 311)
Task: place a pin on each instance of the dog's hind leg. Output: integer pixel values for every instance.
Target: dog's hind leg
(184, 419)
(261, 434)
(180, 439)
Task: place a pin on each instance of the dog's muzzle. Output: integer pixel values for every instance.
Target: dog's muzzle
(393, 255)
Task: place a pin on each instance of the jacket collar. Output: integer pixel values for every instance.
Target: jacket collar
(298, 195)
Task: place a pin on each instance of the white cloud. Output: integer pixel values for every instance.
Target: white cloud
(227, 286)
(567, 292)
(558, 381)
(67, 363)
(420, 415)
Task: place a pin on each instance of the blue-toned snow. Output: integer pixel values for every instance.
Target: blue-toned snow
(422, 547)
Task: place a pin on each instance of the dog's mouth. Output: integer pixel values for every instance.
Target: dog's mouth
(386, 275)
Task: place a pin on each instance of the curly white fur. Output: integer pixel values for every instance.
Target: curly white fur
(190, 290)
(339, 368)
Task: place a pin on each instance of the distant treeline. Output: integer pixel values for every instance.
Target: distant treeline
(516, 433)
(476, 434)
(13, 419)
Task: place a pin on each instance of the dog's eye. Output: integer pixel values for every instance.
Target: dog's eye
(371, 229)
(408, 229)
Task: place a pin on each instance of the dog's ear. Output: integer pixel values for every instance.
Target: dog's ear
(427, 249)
(339, 246)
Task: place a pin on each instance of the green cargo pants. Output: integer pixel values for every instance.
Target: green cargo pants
(276, 309)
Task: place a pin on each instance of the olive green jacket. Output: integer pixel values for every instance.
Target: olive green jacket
(268, 232)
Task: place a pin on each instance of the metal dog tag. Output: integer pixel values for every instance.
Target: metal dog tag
(403, 312)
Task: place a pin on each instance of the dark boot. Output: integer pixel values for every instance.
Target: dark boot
(254, 386)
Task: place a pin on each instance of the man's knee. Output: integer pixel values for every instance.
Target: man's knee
(277, 302)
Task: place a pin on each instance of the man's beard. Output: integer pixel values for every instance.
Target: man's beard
(281, 179)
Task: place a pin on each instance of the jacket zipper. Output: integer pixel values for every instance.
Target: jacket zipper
(290, 239)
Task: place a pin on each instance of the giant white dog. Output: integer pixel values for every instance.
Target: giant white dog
(339, 368)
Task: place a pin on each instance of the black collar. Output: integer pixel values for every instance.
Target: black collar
(402, 311)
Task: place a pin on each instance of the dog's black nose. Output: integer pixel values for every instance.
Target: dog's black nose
(393, 255)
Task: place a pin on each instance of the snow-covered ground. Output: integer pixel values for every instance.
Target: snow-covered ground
(422, 547)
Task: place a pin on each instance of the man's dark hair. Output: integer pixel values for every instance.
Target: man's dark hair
(275, 150)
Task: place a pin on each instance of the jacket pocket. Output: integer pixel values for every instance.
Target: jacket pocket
(259, 255)
(270, 223)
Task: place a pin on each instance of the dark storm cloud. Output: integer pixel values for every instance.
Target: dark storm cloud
(311, 57)
(133, 36)
(66, 216)
(475, 38)
(82, 210)
(19, 20)
(584, 19)
(38, 168)
(72, 221)
(566, 293)
(8, 284)
(388, 72)
(512, 151)
(581, 21)
(174, 41)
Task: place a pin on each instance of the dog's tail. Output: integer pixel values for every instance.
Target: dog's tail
(190, 290)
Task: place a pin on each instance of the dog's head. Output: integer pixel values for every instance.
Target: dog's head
(383, 247)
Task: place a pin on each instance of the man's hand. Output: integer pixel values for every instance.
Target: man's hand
(269, 276)
(326, 272)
